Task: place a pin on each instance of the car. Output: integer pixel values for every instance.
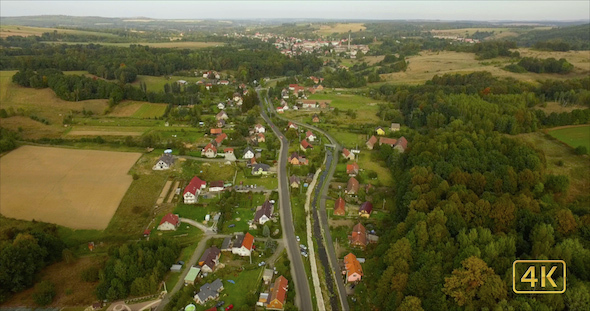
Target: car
(181, 263)
(231, 226)
(303, 246)
(219, 304)
(262, 264)
(229, 307)
(297, 237)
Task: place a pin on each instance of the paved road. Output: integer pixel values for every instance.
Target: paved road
(303, 294)
(323, 217)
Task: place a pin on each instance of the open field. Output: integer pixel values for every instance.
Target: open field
(366, 162)
(79, 189)
(25, 31)
(574, 136)
(499, 33)
(171, 44)
(340, 28)
(551, 107)
(138, 110)
(69, 288)
(424, 66)
(105, 131)
(574, 166)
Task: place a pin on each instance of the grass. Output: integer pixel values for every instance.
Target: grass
(574, 166)
(188, 135)
(150, 111)
(25, 31)
(171, 44)
(551, 107)
(573, 136)
(340, 28)
(106, 130)
(368, 162)
(269, 181)
(246, 282)
(347, 139)
(138, 110)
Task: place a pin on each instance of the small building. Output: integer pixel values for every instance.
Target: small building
(387, 141)
(221, 123)
(315, 118)
(216, 186)
(401, 145)
(209, 291)
(164, 162)
(222, 115)
(221, 106)
(352, 187)
(278, 294)
(192, 275)
(264, 213)
(280, 109)
(380, 131)
(193, 189)
(353, 269)
(371, 142)
(260, 169)
(395, 127)
(292, 125)
(352, 169)
(358, 237)
(365, 209)
(340, 207)
(243, 245)
(259, 128)
(210, 151)
(347, 154)
(305, 145)
(296, 159)
(310, 136)
(262, 299)
(248, 153)
(216, 131)
(219, 139)
(294, 181)
(210, 259)
(226, 245)
(175, 268)
(267, 275)
(169, 222)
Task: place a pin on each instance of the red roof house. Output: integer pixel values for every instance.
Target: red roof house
(340, 207)
(169, 222)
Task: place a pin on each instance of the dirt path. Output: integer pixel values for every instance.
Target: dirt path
(314, 268)
(173, 192)
(164, 192)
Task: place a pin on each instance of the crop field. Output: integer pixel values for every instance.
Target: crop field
(499, 33)
(25, 31)
(340, 28)
(138, 110)
(171, 44)
(80, 189)
(424, 66)
(574, 136)
(106, 131)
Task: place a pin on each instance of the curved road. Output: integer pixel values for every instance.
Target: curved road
(323, 216)
(302, 290)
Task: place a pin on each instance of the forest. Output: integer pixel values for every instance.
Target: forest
(470, 200)
(548, 65)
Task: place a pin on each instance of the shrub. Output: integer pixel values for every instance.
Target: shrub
(90, 274)
(581, 150)
(44, 293)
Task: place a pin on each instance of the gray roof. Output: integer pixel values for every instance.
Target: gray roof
(239, 240)
(266, 209)
(210, 290)
(293, 179)
(167, 158)
(225, 244)
(249, 149)
(264, 167)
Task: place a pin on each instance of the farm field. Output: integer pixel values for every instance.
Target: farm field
(138, 110)
(80, 189)
(340, 28)
(499, 33)
(25, 31)
(424, 66)
(574, 166)
(574, 136)
(105, 131)
(171, 44)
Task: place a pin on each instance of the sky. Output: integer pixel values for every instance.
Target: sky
(385, 10)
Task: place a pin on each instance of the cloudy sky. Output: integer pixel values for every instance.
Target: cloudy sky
(444, 10)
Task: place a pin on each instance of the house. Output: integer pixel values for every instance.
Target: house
(296, 159)
(318, 87)
(226, 245)
(395, 127)
(387, 141)
(352, 169)
(358, 238)
(401, 145)
(248, 153)
(245, 92)
(164, 162)
(267, 275)
(285, 94)
(278, 294)
(192, 275)
(216, 131)
(292, 125)
(220, 123)
(305, 145)
(251, 162)
(315, 118)
(259, 128)
(280, 109)
(260, 169)
(352, 187)
(224, 82)
(260, 138)
(220, 138)
(222, 115)
(353, 269)
(371, 142)
(310, 136)
(264, 213)
(209, 259)
(308, 104)
(243, 245)
(216, 186)
(193, 189)
(182, 82)
(209, 291)
(347, 154)
(340, 207)
(221, 106)
(365, 209)
(294, 181)
(210, 151)
(262, 299)
(169, 222)
(228, 150)
(380, 131)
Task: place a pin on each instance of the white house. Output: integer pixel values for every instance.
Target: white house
(292, 125)
(216, 186)
(264, 214)
(221, 106)
(259, 128)
(222, 115)
(243, 245)
(209, 151)
(164, 162)
(280, 109)
(310, 136)
(169, 222)
(193, 189)
(248, 153)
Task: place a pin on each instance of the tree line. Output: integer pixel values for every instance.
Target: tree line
(536, 65)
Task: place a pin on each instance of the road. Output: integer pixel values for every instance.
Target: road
(331, 162)
(303, 293)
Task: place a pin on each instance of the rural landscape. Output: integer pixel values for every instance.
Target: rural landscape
(293, 164)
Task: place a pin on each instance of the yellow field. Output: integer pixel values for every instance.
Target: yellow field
(80, 189)
(106, 131)
(340, 28)
(25, 31)
(424, 66)
(499, 33)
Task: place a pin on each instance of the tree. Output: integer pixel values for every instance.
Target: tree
(410, 303)
(44, 293)
(266, 231)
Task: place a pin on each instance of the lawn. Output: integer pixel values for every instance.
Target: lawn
(156, 84)
(368, 162)
(347, 139)
(106, 131)
(208, 171)
(246, 282)
(573, 136)
(150, 111)
(329, 29)
(189, 135)
(365, 108)
(270, 182)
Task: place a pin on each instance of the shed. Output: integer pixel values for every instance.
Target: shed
(192, 275)
(176, 268)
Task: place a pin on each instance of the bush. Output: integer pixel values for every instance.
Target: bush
(44, 293)
(90, 274)
(581, 150)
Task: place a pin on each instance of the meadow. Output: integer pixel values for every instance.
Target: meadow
(329, 29)
(25, 31)
(170, 44)
(80, 189)
(138, 110)
(573, 136)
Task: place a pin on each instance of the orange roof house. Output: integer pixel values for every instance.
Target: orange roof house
(354, 271)
(358, 238)
(216, 131)
(278, 294)
(387, 141)
(371, 142)
(352, 187)
(352, 169)
(340, 207)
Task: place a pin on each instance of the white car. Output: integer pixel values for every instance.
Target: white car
(297, 237)
(262, 264)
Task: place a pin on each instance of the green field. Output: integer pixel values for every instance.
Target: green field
(573, 136)
(172, 44)
(347, 139)
(150, 111)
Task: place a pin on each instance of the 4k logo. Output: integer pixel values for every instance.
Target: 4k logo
(538, 276)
